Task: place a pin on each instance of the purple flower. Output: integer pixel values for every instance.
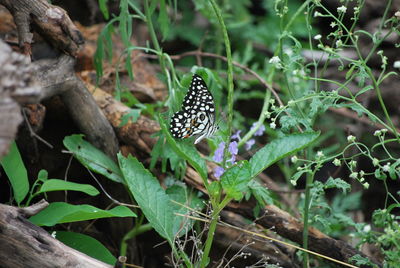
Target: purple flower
(219, 153)
(260, 130)
(232, 160)
(249, 144)
(236, 135)
(233, 148)
(218, 171)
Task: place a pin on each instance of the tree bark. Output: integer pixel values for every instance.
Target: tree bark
(25, 245)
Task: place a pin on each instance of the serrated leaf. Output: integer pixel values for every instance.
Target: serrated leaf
(16, 172)
(60, 212)
(61, 185)
(93, 158)
(186, 151)
(337, 183)
(154, 202)
(278, 149)
(235, 180)
(261, 193)
(87, 245)
(180, 195)
(365, 89)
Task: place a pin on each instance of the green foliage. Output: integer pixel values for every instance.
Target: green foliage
(60, 185)
(156, 205)
(92, 158)
(16, 173)
(60, 212)
(278, 149)
(87, 245)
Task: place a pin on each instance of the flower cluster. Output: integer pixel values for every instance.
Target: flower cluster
(233, 149)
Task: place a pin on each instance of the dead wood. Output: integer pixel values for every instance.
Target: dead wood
(16, 87)
(52, 22)
(24, 244)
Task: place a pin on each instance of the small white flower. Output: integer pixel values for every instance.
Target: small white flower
(351, 138)
(384, 130)
(293, 182)
(356, 9)
(320, 154)
(272, 125)
(377, 133)
(354, 175)
(366, 185)
(362, 173)
(367, 228)
(294, 159)
(333, 24)
(272, 101)
(337, 162)
(339, 43)
(318, 37)
(352, 164)
(386, 167)
(362, 179)
(275, 60)
(317, 14)
(375, 162)
(290, 102)
(342, 9)
(54, 234)
(396, 64)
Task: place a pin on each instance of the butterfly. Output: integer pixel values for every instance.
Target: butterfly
(197, 116)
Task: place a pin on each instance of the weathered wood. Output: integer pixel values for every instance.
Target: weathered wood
(25, 245)
(16, 87)
(52, 22)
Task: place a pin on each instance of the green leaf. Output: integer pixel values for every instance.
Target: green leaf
(16, 172)
(132, 115)
(92, 158)
(154, 202)
(184, 150)
(60, 212)
(163, 19)
(235, 180)
(337, 183)
(179, 194)
(260, 192)
(278, 149)
(61, 185)
(87, 245)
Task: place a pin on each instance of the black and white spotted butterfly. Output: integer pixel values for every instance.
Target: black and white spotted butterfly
(197, 117)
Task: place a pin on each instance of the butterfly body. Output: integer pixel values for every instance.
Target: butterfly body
(197, 117)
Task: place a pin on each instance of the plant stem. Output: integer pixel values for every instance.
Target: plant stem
(230, 75)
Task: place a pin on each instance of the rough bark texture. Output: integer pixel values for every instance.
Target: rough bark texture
(25, 245)
(16, 86)
(50, 21)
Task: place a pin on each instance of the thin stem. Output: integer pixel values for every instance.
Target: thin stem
(230, 75)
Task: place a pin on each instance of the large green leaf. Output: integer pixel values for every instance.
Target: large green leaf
(87, 245)
(16, 173)
(235, 179)
(278, 149)
(61, 185)
(154, 202)
(60, 212)
(93, 158)
(180, 195)
(185, 150)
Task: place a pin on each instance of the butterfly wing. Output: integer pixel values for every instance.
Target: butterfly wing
(197, 114)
